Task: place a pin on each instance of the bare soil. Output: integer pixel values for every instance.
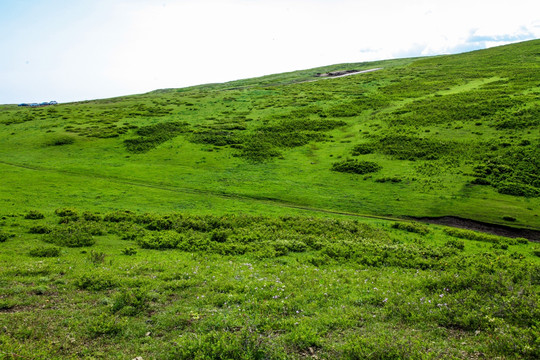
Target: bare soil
(496, 229)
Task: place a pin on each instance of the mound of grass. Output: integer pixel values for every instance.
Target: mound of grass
(356, 166)
(152, 136)
(72, 235)
(44, 251)
(60, 140)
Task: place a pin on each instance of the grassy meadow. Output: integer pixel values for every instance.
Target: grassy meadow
(267, 218)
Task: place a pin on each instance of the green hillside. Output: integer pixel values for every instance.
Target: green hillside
(270, 218)
(451, 135)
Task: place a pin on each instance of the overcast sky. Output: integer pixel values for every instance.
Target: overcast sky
(87, 49)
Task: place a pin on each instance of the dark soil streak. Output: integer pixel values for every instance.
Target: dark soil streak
(496, 229)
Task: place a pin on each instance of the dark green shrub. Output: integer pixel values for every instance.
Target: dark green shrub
(119, 216)
(219, 236)
(34, 215)
(356, 166)
(66, 212)
(456, 244)
(96, 257)
(43, 251)
(411, 227)
(152, 136)
(388, 179)
(4, 236)
(60, 140)
(480, 181)
(509, 218)
(129, 251)
(160, 241)
(246, 344)
(104, 325)
(95, 282)
(362, 149)
(74, 235)
(517, 189)
(130, 302)
(473, 235)
(39, 229)
(89, 216)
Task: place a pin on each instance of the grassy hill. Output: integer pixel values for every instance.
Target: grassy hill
(266, 218)
(451, 135)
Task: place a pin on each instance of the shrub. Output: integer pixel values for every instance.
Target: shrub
(70, 236)
(152, 136)
(118, 216)
(129, 251)
(34, 215)
(44, 251)
(89, 216)
(388, 179)
(130, 302)
(456, 244)
(411, 227)
(162, 240)
(473, 235)
(219, 236)
(356, 166)
(39, 229)
(60, 140)
(104, 325)
(96, 257)
(509, 218)
(4, 236)
(66, 212)
(95, 282)
(362, 149)
(517, 189)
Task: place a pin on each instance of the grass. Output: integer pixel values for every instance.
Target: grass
(260, 219)
(238, 286)
(279, 139)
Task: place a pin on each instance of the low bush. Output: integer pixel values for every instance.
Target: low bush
(456, 244)
(356, 166)
(411, 227)
(44, 251)
(130, 302)
(388, 179)
(152, 136)
(129, 251)
(73, 235)
(160, 241)
(104, 325)
(34, 215)
(477, 236)
(4, 236)
(95, 282)
(66, 212)
(362, 149)
(39, 229)
(96, 257)
(60, 140)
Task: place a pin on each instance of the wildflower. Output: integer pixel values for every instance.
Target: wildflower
(441, 295)
(385, 300)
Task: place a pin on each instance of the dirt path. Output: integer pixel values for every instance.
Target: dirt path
(501, 230)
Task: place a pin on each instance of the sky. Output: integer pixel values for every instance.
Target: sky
(88, 49)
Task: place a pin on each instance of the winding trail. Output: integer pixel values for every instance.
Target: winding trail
(502, 230)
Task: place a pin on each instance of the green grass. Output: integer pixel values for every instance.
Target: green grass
(238, 286)
(433, 123)
(261, 218)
